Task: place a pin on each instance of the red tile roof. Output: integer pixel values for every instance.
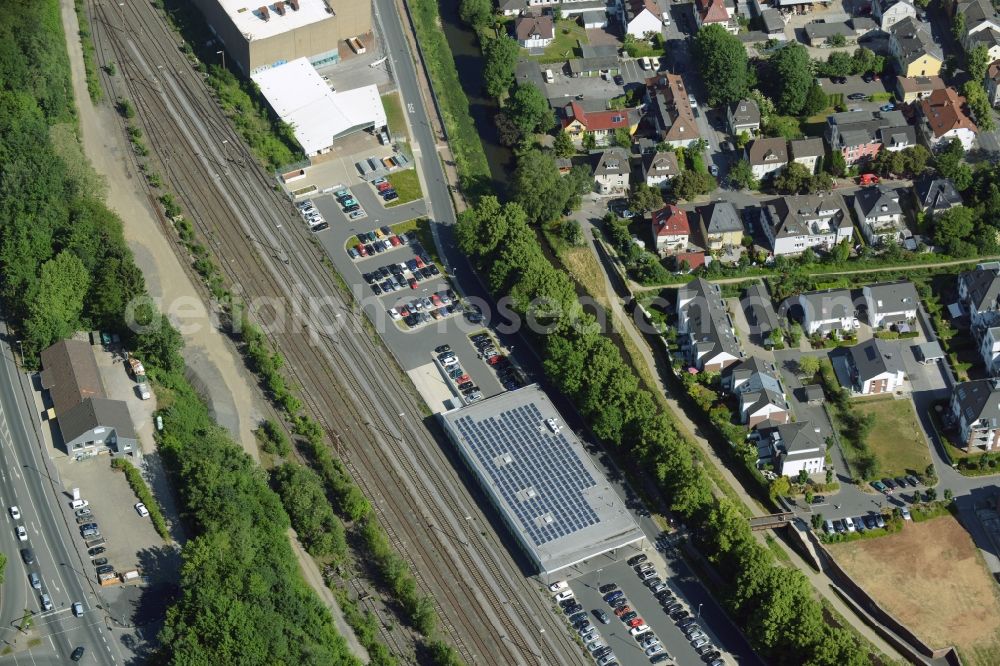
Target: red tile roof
(943, 111)
(714, 11)
(670, 221)
(694, 259)
(533, 24)
(595, 120)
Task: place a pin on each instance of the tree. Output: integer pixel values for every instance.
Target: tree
(977, 60)
(837, 64)
(476, 13)
(958, 26)
(722, 60)
(816, 100)
(948, 162)
(622, 137)
(842, 252)
(952, 230)
(562, 145)
(645, 199)
(56, 301)
(501, 62)
(528, 109)
(836, 40)
(979, 104)
(837, 166)
(689, 184)
(543, 194)
(785, 127)
(589, 141)
(808, 366)
(791, 78)
(795, 178)
(572, 233)
(741, 175)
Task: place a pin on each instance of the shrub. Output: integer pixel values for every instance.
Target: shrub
(141, 490)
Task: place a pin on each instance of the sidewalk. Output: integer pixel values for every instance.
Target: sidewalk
(688, 428)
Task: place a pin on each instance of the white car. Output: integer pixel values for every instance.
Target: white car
(558, 586)
(141, 509)
(22, 534)
(46, 602)
(394, 313)
(905, 513)
(654, 650)
(589, 635)
(15, 513)
(650, 642)
(596, 645)
(449, 361)
(77, 609)
(644, 63)
(641, 629)
(607, 659)
(566, 594)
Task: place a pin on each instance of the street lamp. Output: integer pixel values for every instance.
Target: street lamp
(699, 610)
(21, 347)
(223, 54)
(121, 13)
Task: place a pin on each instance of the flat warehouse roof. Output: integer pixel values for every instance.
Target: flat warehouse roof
(247, 17)
(318, 115)
(561, 508)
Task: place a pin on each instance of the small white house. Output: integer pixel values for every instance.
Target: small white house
(643, 16)
(890, 303)
(794, 447)
(612, 172)
(822, 311)
(870, 368)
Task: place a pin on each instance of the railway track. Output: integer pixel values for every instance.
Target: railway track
(490, 612)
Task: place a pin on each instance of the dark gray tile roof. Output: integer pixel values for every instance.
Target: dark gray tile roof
(721, 217)
(875, 357)
(937, 193)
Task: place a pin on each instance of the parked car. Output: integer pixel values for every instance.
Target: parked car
(141, 509)
(912, 480)
(889, 483)
(638, 559)
(857, 96)
(601, 615)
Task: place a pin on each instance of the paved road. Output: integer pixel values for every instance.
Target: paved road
(30, 482)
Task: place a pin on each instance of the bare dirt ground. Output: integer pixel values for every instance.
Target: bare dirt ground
(931, 576)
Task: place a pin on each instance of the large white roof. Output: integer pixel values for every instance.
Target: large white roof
(246, 15)
(317, 115)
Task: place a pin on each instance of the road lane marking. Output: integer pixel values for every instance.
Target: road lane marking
(410, 107)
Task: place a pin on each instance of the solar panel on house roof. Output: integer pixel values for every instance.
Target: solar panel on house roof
(535, 470)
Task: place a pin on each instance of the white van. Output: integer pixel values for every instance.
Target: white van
(78, 504)
(549, 76)
(644, 62)
(849, 524)
(828, 526)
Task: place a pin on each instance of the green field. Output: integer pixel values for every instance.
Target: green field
(568, 35)
(897, 439)
(394, 114)
(407, 186)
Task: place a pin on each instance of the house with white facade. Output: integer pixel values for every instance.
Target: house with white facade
(612, 171)
(643, 17)
(887, 13)
(705, 329)
(767, 156)
(794, 447)
(660, 168)
(743, 116)
(794, 223)
(807, 152)
(979, 292)
(671, 230)
(870, 368)
(534, 31)
(760, 392)
(975, 411)
(708, 12)
(880, 215)
(890, 303)
(822, 312)
(944, 118)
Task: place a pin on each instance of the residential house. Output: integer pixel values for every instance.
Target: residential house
(988, 38)
(594, 19)
(659, 168)
(705, 330)
(774, 23)
(944, 119)
(870, 368)
(890, 12)
(89, 422)
(721, 226)
(857, 135)
(511, 7)
(936, 194)
(807, 152)
(822, 312)
(794, 223)
(979, 17)
(793, 448)
(743, 116)
(760, 311)
(708, 12)
(534, 31)
(993, 83)
(767, 156)
(611, 173)
(989, 347)
(912, 89)
(671, 229)
(818, 33)
(890, 303)
(975, 411)
(914, 50)
(761, 394)
(879, 215)
(642, 17)
(600, 124)
(979, 293)
(899, 137)
(671, 111)
(595, 61)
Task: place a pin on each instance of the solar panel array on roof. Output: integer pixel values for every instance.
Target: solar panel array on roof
(536, 471)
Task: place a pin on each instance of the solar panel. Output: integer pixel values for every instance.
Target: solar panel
(536, 471)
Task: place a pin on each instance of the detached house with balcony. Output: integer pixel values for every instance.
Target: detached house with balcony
(979, 293)
(794, 223)
(890, 303)
(944, 118)
(760, 392)
(935, 194)
(914, 50)
(708, 12)
(671, 111)
(602, 125)
(660, 168)
(611, 173)
(870, 368)
(721, 226)
(671, 230)
(888, 13)
(858, 135)
(705, 330)
(822, 312)
(975, 412)
(743, 116)
(534, 31)
(767, 156)
(880, 216)
(792, 448)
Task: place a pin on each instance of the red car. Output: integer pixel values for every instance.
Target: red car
(413, 283)
(462, 379)
(382, 187)
(635, 622)
(493, 360)
(435, 299)
(621, 611)
(394, 240)
(361, 250)
(420, 262)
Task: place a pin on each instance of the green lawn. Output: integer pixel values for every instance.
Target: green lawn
(394, 114)
(407, 185)
(568, 34)
(897, 439)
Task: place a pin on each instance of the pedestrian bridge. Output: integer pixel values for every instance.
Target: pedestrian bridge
(772, 521)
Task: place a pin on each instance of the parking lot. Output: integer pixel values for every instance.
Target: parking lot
(616, 634)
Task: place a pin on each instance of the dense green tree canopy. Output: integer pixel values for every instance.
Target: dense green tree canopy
(722, 60)
(528, 109)
(501, 63)
(791, 78)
